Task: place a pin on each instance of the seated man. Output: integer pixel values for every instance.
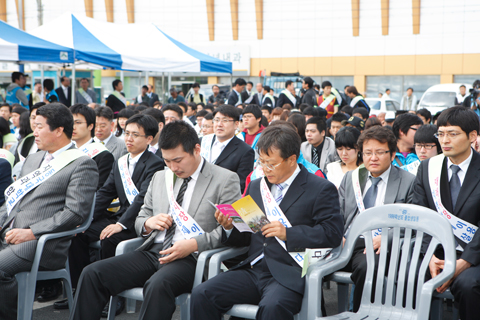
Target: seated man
(270, 276)
(458, 173)
(380, 183)
(224, 149)
(60, 202)
(104, 132)
(165, 271)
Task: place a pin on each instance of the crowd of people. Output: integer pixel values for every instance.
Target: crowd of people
(323, 159)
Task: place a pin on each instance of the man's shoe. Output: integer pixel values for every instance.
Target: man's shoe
(50, 293)
(62, 304)
(119, 309)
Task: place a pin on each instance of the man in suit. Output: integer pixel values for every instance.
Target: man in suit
(143, 97)
(287, 96)
(64, 92)
(235, 98)
(318, 149)
(163, 270)
(270, 277)
(224, 149)
(152, 95)
(256, 98)
(85, 94)
(458, 170)
(116, 101)
(103, 133)
(60, 203)
(309, 97)
(248, 91)
(380, 183)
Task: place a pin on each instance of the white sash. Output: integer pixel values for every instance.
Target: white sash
(412, 167)
(268, 95)
(355, 100)
(462, 229)
(206, 148)
(120, 97)
(93, 149)
(327, 101)
(338, 96)
(274, 213)
(85, 95)
(189, 227)
(290, 96)
(7, 155)
(17, 190)
(359, 197)
(128, 186)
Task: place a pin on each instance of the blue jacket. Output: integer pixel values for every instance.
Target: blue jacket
(411, 157)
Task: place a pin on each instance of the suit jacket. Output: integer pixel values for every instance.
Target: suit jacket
(214, 183)
(232, 98)
(329, 153)
(144, 170)
(67, 101)
(468, 201)
(104, 161)
(309, 97)
(245, 95)
(27, 145)
(153, 99)
(399, 190)
(115, 104)
(80, 99)
(283, 99)
(5, 178)
(237, 157)
(60, 203)
(311, 206)
(116, 147)
(257, 99)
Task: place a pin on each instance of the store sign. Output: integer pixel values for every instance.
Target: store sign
(239, 56)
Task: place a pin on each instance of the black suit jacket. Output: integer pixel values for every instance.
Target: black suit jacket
(104, 161)
(283, 99)
(311, 205)
(153, 99)
(237, 157)
(5, 178)
(115, 104)
(61, 96)
(468, 202)
(245, 95)
(145, 168)
(232, 98)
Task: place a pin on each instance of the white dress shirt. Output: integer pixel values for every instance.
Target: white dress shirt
(65, 91)
(104, 141)
(58, 152)
(381, 186)
(463, 168)
(217, 149)
(132, 162)
(153, 149)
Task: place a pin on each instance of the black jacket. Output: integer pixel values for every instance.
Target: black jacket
(67, 101)
(309, 97)
(104, 161)
(153, 99)
(283, 99)
(232, 98)
(115, 104)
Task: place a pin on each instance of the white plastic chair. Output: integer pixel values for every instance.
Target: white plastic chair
(401, 273)
(27, 280)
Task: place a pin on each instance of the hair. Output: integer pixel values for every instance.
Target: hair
(147, 122)
(266, 88)
(156, 114)
(287, 83)
(308, 81)
(58, 116)
(425, 113)
(253, 109)
(387, 90)
(193, 106)
(141, 107)
(458, 116)
(36, 106)
(264, 121)
(410, 88)
(6, 105)
(48, 84)
(286, 113)
(145, 87)
(87, 113)
(284, 123)
(115, 83)
(104, 112)
(124, 113)
(174, 108)
(88, 80)
(462, 86)
(196, 85)
(348, 137)
(352, 89)
(347, 110)
(399, 112)
(63, 78)
(19, 110)
(178, 133)
(269, 109)
(282, 138)
(404, 121)
(287, 106)
(215, 86)
(4, 129)
(371, 122)
(317, 86)
(310, 111)
(277, 111)
(346, 86)
(228, 111)
(209, 107)
(381, 134)
(326, 84)
(25, 128)
(16, 76)
(157, 103)
(239, 82)
(303, 106)
(426, 134)
(339, 117)
(319, 121)
(299, 122)
(363, 111)
(203, 113)
(208, 116)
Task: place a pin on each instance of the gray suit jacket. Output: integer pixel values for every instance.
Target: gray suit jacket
(80, 99)
(329, 153)
(59, 204)
(399, 190)
(214, 183)
(116, 147)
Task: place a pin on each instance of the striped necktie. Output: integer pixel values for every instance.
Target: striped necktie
(280, 188)
(315, 160)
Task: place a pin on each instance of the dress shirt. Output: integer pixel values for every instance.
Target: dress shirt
(381, 186)
(65, 91)
(463, 168)
(217, 149)
(319, 150)
(153, 149)
(187, 197)
(132, 162)
(58, 152)
(83, 145)
(104, 141)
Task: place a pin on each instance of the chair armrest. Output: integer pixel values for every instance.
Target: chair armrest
(129, 245)
(202, 261)
(216, 260)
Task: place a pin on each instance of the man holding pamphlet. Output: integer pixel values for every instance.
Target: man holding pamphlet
(303, 212)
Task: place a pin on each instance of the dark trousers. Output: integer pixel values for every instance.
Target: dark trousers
(161, 283)
(466, 290)
(79, 252)
(256, 286)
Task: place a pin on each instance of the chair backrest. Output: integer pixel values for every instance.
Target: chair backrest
(400, 287)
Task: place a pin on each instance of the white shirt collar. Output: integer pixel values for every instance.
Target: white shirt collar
(133, 160)
(64, 88)
(59, 151)
(224, 143)
(104, 141)
(464, 165)
(384, 176)
(85, 144)
(195, 175)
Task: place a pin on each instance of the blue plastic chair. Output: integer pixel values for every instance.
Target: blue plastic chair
(27, 280)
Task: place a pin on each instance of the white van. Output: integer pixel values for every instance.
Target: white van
(441, 96)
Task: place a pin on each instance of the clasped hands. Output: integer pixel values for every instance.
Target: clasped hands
(436, 266)
(273, 229)
(180, 249)
(17, 236)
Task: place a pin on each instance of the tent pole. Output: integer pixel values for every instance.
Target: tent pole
(73, 83)
(42, 77)
(146, 77)
(231, 81)
(169, 82)
(121, 76)
(163, 86)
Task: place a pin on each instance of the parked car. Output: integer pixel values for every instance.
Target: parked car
(440, 96)
(377, 105)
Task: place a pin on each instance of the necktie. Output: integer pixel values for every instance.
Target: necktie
(167, 242)
(371, 195)
(47, 159)
(279, 193)
(315, 159)
(102, 142)
(454, 184)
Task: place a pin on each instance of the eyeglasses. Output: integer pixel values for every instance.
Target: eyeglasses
(379, 153)
(441, 135)
(268, 166)
(426, 146)
(224, 121)
(134, 135)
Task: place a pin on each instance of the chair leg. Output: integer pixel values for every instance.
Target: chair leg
(26, 295)
(436, 310)
(130, 305)
(185, 309)
(342, 296)
(112, 307)
(67, 290)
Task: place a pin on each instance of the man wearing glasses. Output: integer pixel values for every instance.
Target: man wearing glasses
(404, 128)
(103, 133)
(455, 175)
(376, 184)
(224, 149)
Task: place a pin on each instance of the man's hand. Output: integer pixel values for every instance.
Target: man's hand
(461, 266)
(17, 236)
(110, 230)
(275, 229)
(377, 242)
(225, 221)
(160, 222)
(179, 250)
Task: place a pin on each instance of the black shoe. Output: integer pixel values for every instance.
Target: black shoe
(50, 292)
(119, 309)
(62, 304)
